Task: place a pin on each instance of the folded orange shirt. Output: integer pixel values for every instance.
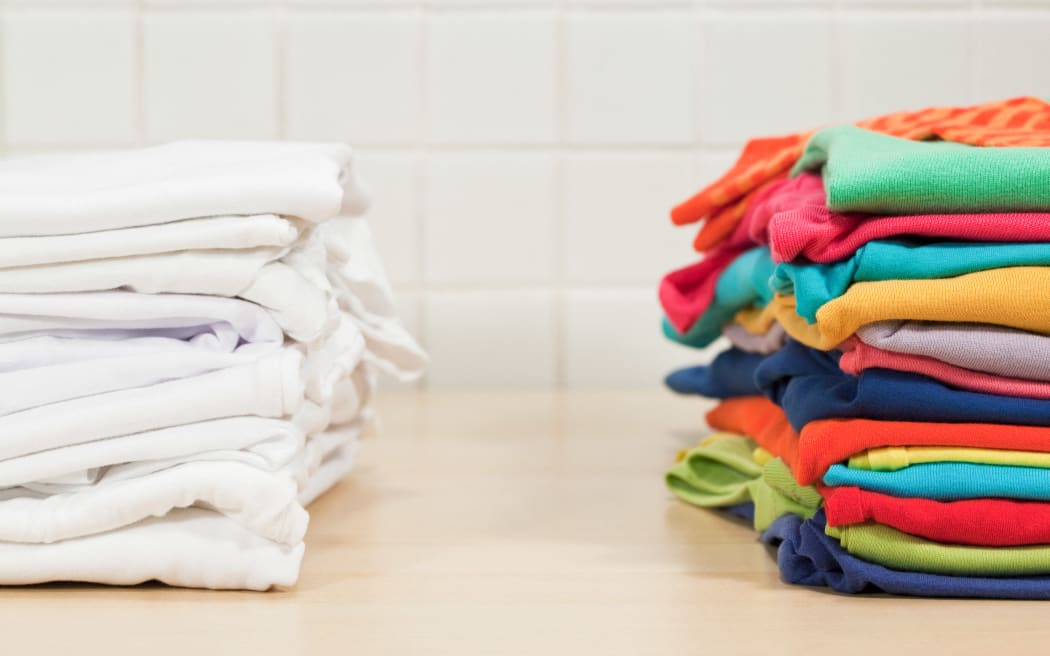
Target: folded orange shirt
(829, 441)
(1014, 122)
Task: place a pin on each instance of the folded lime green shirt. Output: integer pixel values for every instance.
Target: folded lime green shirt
(877, 543)
(892, 458)
(777, 494)
(715, 473)
(865, 171)
(722, 471)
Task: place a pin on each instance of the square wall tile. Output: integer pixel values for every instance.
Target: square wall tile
(928, 63)
(501, 338)
(612, 338)
(210, 75)
(393, 183)
(70, 78)
(489, 218)
(354, 77)
(631, 78)
(1011, 54)
(617, 225)
(764, 75)
(491, 77)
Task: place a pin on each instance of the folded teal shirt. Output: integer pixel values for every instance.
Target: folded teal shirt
(815, 284)
(744, 283)
(864, 171)
(946, 481)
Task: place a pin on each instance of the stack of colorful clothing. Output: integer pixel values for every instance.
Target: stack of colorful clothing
(885, 413)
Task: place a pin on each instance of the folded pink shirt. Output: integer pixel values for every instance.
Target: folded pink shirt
(859, 356)
(808, 229)
(686, 293)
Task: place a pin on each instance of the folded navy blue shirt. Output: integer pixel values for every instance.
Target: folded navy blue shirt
(809, 385)
(806, 556)
(731, 373)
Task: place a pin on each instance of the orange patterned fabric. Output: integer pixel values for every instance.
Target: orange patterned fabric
(1015, 122)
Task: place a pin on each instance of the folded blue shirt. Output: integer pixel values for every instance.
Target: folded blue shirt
(809, 385)
(807, 556)
(731, 373)
(946, 481)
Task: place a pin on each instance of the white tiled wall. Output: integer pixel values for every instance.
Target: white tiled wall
(523, 153)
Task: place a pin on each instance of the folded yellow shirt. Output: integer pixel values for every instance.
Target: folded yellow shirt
(891, 458)
(1015, 297)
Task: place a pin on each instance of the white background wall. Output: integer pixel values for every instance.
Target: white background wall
(523, 153)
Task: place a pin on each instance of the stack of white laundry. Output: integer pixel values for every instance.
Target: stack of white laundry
(188, 347)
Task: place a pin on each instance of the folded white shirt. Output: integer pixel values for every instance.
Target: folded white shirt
(271, 386)
(122, 315)
(190, 547)
(263, 502)
(211, 233)
(265, 443)
(69, 194)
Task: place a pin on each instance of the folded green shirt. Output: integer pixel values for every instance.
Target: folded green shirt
(723, 472)
(813, 285)
(891, 548)
(869, 172)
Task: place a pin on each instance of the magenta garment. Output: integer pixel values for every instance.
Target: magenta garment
(806, 228)
(990, 349)
(859, 356)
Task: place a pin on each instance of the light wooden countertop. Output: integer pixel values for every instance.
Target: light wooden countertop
(531, 523)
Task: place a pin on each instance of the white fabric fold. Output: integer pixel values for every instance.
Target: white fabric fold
(71, 194)
(190, 547)
(212, 233)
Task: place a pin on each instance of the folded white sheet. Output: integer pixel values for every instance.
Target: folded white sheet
(190, 547)
(70, 194)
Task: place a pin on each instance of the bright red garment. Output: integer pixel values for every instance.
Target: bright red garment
(829, 441)
(859, 356)
(980, 522)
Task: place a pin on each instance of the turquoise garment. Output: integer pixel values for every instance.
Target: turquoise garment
(864, 171)
(744, 283)
(945, 481)
(813, 285)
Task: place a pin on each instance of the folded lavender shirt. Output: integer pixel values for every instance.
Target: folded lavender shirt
(980, 347)
(767, 342)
